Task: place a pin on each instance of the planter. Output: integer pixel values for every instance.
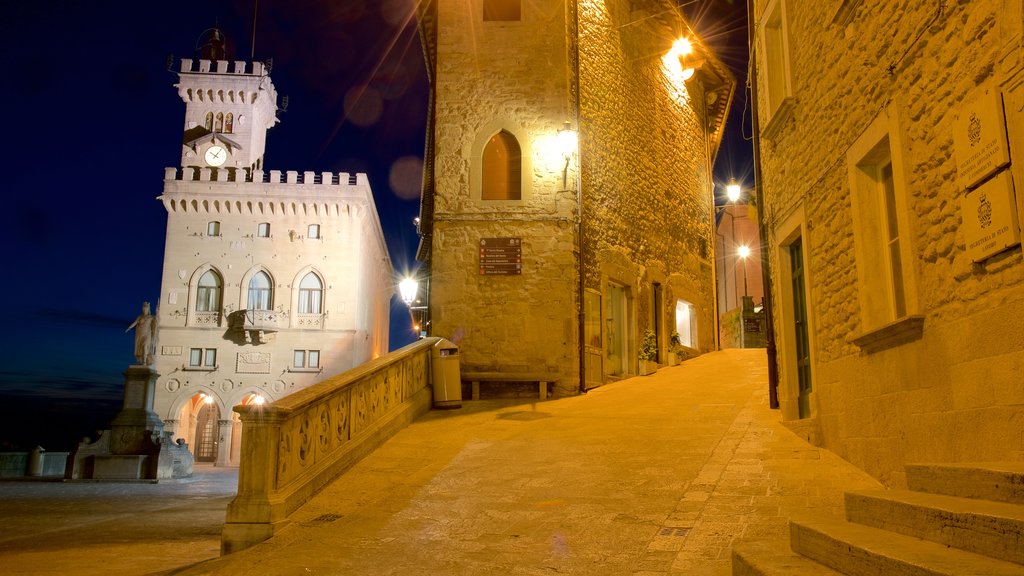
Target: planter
(673, 359)
(648, 367)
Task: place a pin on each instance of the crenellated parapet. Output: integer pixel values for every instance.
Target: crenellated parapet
(240, 67)
(271, 193)
(307, 177)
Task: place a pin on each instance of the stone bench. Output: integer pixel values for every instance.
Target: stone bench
(542, 379)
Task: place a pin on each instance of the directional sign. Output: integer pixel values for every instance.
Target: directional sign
(501, 256)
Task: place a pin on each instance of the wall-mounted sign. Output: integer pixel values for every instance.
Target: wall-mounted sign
(501, 256)
(979, 137)
(989, 216)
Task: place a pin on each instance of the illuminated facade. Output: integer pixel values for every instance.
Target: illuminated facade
(894, 235)
(567, 205)
(272, 280)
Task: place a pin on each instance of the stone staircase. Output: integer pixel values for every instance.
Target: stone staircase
(962, 519)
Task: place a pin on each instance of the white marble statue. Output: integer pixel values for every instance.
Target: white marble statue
(145, 336)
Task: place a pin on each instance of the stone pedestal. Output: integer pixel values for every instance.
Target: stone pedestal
(135, 447)
(135, 426)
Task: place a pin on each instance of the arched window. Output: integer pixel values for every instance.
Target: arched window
(502, 10)
(229, 123)
(220, 122)
(208, 292)
(501, 167)
(209, 121)
(261, 293)
(311, 291)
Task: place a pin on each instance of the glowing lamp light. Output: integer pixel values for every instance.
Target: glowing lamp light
(732, 190)
(208, 399)
(743, 252)
(567, 140)
(408, 288)
(259, 400)
(681, 47)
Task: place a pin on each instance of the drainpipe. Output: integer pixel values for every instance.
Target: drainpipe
(773, 366)
(581, 317)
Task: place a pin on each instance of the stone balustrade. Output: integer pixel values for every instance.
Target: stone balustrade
(299, 444)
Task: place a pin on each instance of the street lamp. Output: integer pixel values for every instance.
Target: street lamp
(567, 144)
(408, 288)
(743, 252)
(733, 190)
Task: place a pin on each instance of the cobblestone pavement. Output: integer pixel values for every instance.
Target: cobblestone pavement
(650, 475)
(91, 528)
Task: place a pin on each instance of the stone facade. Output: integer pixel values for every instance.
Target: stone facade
(916, 346)
(624, 222)
(314, 237)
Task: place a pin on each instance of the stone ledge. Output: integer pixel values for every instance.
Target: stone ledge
(902, 331)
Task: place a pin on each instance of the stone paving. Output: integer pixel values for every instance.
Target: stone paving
(650, 475)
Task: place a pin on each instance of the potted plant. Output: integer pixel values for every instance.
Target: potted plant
(648, 353)
(675, 345)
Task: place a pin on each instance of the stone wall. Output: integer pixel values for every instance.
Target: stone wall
(954, 393)
(642, 167)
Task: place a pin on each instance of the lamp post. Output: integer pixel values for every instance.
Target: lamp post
(408, 289)
(743, 252)
(567, 143)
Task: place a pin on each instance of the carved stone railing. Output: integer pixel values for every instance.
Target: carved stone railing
(299, 444)
(206, 319)
(310, 321)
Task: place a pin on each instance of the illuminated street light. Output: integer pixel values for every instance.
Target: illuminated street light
(733, 190)
(743, 252)
(408, 289)
(567, 144)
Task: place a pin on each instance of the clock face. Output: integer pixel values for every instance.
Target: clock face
(216, 156)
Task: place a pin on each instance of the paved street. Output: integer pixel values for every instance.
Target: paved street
(651, 475)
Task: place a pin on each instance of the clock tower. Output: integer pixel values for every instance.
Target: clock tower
(229, 106)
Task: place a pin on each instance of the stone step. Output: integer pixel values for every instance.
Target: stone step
(1001, 481)
(857, 550)
(773, 559)
(994, 529)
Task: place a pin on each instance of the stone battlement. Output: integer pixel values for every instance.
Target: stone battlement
(239, 67)
(190, 174)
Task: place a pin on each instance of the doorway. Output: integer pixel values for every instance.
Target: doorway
(207, 430)
(616, 326)
(803, 347)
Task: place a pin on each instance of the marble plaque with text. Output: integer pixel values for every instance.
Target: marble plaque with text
(979, 137)
(989, 215)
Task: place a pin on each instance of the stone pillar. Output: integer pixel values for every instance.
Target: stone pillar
(224, 443)
(136, 423)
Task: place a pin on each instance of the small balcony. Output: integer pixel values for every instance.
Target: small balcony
(206, 319)
(256, 320)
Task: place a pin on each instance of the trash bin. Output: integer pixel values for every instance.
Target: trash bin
(447, 381)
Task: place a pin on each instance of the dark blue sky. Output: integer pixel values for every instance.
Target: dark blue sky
(92, 119)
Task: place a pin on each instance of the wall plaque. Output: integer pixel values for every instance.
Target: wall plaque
(501, 256)
(253, 363)
(989, 214)
(979, 137)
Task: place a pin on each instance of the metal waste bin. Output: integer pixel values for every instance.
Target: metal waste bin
(447, 381)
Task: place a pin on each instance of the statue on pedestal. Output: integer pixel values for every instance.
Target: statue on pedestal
(146, 326)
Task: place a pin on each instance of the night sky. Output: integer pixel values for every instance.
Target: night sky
(92, 119)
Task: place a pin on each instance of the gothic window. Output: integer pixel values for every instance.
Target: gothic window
(229, 123)
(310, 294)
(219, 127)
(502, 10)
(209, 121)
(502, 168)
(208, 292)
(261, 293)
